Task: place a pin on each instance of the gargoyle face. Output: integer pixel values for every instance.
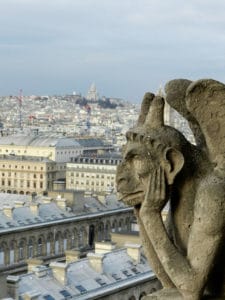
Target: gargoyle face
(133, 173)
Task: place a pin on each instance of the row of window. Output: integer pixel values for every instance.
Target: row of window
(97, 183)
(96, 161)
(28, 175)
(91, 176)
(12, 151)
(21, 152)
(69, 152)
(22, 184)
(93, 167)
(21, 167)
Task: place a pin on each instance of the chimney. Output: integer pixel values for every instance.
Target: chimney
(72, 255)
(40, 271)
(87, 194)
(19, 203)
(13, 286)
(32, 263)
(101, 198)
(34, 207)
(46, 200)
(104, 247)
(61, 202)
(32, 295)
(134, 251)
(8, 211)
(59, 271)
(96, 261)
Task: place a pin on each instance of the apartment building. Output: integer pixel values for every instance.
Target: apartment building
(92, 173)
(58, 149)
(26, 174)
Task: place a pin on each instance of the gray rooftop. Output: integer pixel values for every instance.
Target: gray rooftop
(38, 140)
(90, 142)
(23, 215)
(82, 280)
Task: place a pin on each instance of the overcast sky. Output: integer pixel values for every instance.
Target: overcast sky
(127, 47)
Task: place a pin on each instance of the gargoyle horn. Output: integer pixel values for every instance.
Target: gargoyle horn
(154, 118)
(146, 103)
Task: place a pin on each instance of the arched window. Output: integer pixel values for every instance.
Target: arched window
(57, 244)
(101, 232)
(91, 236)
(12, 248)
(74, 239)
(39, 247)
(48, 244)
(2, 256)
(21, 250)
(65, 241)
(107, 231)
(114, 226)
(127, 224)
(30, 248)
(120, 228)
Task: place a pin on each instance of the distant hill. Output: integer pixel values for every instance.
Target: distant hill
(105, 103)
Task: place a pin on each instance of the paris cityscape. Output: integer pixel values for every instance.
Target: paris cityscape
(58, 160)
(73, 76)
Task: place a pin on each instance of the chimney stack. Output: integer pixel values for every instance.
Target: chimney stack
(104, 247)
(34, 207)
(8, 211)
(32, 263)
(72, 255)
(59, 271)
(96, 261)
(134, 251)
(32, 295)
(46, 200)
(13, 286)
(61, 202)
(19, 203)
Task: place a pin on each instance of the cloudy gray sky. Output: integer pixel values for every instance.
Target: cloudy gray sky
(127, 47)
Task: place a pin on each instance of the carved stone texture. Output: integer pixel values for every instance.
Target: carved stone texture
(160, 166)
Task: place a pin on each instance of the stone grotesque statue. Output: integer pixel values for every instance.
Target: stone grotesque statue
(159, 166)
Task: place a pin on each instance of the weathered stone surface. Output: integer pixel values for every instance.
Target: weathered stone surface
(160, 166)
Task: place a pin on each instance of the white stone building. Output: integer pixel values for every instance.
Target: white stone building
(92, 173)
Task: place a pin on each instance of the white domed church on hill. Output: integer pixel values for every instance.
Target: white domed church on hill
(92, 93)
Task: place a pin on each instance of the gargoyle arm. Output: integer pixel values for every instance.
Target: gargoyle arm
(152, 256)
(189, 274)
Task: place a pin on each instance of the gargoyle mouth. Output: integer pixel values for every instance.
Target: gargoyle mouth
(131, 199)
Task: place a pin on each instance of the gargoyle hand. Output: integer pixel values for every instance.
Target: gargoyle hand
(155, 198)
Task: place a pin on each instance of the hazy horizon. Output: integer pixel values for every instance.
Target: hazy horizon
(126, 47)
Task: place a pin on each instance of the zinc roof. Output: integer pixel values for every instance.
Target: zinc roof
(84, 282)
(38, 141)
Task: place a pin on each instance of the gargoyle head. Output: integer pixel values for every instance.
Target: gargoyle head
(149, 145)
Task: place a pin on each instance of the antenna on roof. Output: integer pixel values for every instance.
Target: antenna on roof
(20, 99)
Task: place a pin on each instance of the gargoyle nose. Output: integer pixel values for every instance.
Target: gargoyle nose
(122, 177)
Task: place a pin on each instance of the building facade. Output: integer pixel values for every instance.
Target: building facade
(26, 174)
(92, 173)
(50, 236)
(54, 148)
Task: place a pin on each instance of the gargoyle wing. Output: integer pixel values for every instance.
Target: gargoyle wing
(205, 100)
(176, 97)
